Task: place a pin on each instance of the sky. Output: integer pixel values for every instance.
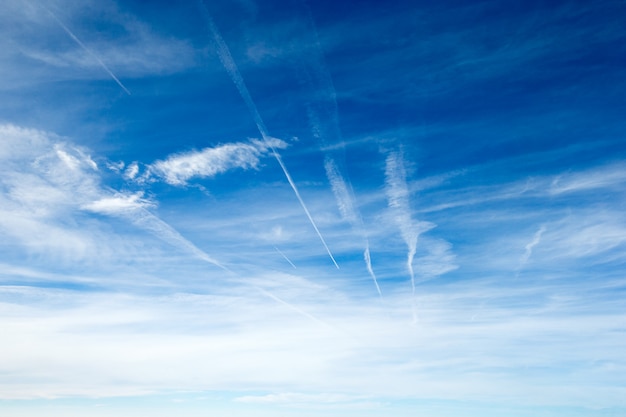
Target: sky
(298, 208)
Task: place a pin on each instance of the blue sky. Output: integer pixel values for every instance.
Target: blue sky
(244, 208)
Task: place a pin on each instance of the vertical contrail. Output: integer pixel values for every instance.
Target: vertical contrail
(345, 201)
(398, 198)
(529, 249)
(320, 80)
(229, 64)
(82, 45)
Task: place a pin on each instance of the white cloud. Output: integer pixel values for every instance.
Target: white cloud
(596, 178)
(208, 162)
(119, 203)
(131, 171)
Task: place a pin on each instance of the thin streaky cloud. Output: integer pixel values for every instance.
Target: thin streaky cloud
(133, 208)
(285, 256)
(529, 248)
(368, 263)
(82, 45)
(320, 80)
(346, 203)
(233, 71)
(397, 192)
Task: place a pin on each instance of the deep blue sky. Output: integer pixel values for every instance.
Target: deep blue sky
(286, 208)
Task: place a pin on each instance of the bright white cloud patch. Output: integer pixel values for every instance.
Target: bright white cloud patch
(208, 162)
(121, 203)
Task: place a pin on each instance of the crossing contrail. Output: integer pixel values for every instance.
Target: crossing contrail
(233, 71)
(82, 45)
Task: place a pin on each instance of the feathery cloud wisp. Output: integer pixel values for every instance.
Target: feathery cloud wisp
(529, 247)
(179, 168)
(398, 200)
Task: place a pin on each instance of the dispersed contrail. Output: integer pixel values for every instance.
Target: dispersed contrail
(398, 199)
(529, 248)
(82, 45)
(346, 203)
(233, 71)
(143, 218)
(149, 221)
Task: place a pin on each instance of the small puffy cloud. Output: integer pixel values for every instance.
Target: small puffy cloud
(208, 162)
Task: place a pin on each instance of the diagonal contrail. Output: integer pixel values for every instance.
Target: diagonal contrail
(143, 218)
(82, 45)
(231, 67)
(285, 256)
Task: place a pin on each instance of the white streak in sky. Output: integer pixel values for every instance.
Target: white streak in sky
(398, 197)
(368, 263)
(285, 256)
(82, 45)
(529, 248)
(322, 83)
(231, 67)
(133, 208)
(346, 203)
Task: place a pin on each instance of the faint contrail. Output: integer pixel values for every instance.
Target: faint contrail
(319, 78)
(529, 248)
(82, 45)
(231, 67)
(368, 264)
(285, 256)
(141, 217)
(146, 220)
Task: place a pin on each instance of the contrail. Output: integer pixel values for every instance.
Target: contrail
(346, 203)
(285, 256)
(166, 232)
(231, 67)
(368, 264)
(142, 217)
(148, 221)
(82, 45)
(320, 80)
(398, 198)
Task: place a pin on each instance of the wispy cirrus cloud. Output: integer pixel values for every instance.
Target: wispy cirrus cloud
(397, 192)
(50, 182)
